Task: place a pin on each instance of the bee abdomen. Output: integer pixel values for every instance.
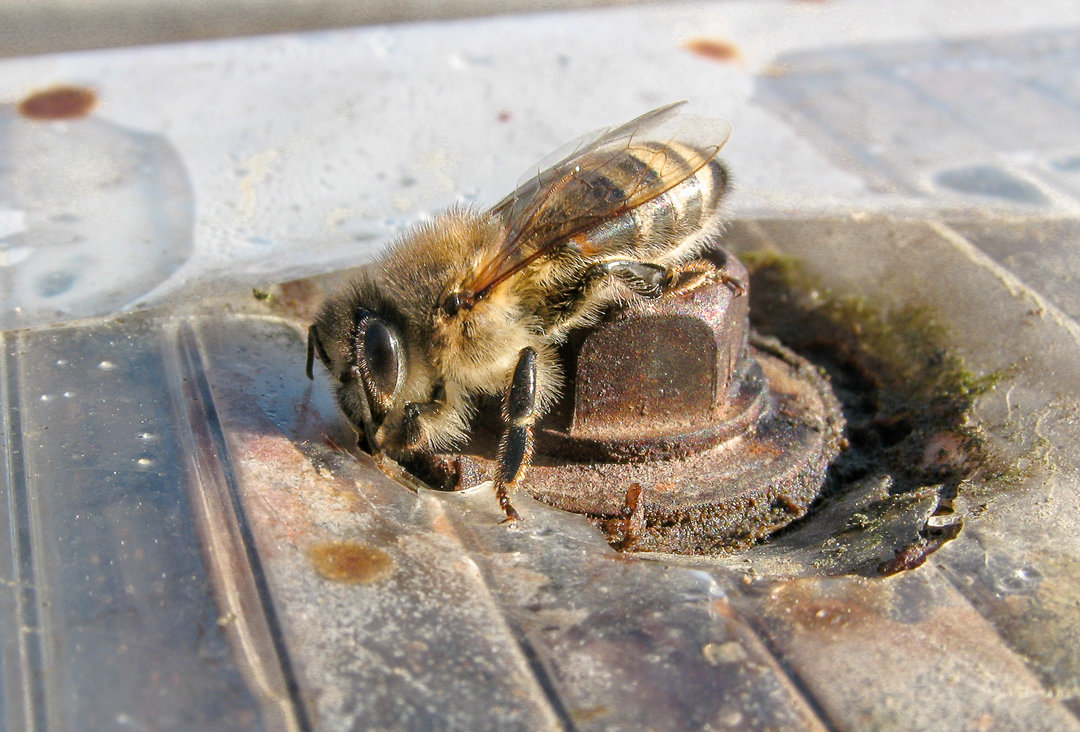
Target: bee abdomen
(661, 223)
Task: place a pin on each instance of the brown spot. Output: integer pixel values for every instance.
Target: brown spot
(713, 49)
(302, 297)
(824, 615)
(590, 714)
(60, 102)
(820, 607)
(346, 561)
(504, 115)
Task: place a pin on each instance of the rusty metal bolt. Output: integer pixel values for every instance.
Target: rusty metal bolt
(680, 430)
(660, 380)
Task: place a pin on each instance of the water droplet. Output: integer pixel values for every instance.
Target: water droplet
(47, 397)
(106, 365)
(147, 436)
(144, 462)
(1028, 574)
(61, 362)
(69, 394)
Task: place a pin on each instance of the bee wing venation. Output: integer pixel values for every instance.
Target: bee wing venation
(577, 192)
(557, 162)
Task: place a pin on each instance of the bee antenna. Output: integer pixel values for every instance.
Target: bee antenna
(312, 337)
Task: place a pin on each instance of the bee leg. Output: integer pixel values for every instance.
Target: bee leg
(689, 275)
(410, 424)
(414, 412)
(646, 279)
(314, 346)
(516, 445)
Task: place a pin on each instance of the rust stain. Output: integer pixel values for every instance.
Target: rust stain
(817, 607)
(59, 102)
(585, 715)
(714, 49)
(825, 614)
(504, 115)
(301, 297)
(346, 561)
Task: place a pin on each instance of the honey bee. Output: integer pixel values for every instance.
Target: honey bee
(475, 303)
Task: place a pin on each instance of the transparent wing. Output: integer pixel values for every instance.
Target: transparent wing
(606, 173)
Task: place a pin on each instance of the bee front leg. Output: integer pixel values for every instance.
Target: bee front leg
(415, 415)
(516, 446)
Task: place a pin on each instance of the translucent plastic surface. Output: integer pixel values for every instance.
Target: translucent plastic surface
(92, 217)
(188, 539)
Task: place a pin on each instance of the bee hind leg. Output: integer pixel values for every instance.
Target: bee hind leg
(691, 274)
(520, 412)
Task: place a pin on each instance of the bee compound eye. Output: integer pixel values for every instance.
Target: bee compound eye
(381, 360)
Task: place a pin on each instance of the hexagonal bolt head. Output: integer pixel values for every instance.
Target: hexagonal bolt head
(662, 376)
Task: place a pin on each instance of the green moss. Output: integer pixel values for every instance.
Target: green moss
(907, 396)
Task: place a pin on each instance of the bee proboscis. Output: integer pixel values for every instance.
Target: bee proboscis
(475, 303)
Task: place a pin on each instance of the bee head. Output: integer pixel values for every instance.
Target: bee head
(363, 352)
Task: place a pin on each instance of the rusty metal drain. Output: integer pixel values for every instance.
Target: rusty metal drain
(680, 430)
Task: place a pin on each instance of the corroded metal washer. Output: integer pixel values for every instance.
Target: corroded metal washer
(679, 431)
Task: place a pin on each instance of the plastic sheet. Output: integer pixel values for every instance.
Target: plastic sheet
(187, 542)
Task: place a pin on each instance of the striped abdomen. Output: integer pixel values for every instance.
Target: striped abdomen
(667, 227)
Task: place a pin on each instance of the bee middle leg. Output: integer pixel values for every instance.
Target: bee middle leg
(520, 412)
(647, 279)
(581, 308)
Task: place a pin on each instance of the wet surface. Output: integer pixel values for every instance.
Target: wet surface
(101, 554)
(66, 189)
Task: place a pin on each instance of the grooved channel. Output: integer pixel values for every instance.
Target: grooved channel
(240, 585)
(23, 701)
